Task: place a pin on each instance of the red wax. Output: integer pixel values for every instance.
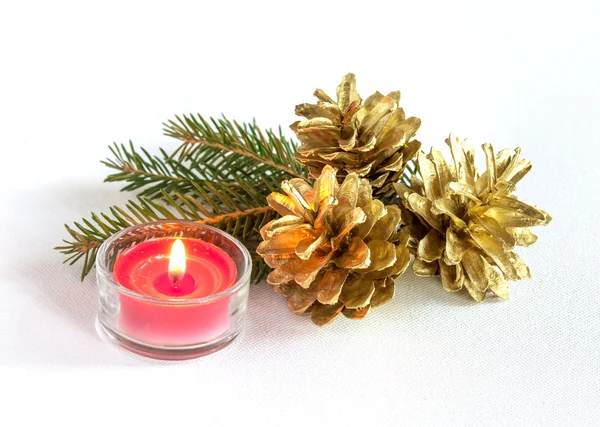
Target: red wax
(143, 268)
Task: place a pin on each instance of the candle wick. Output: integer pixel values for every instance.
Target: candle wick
(175, 278)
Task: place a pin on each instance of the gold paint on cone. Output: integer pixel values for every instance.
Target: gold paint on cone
(372, 139)
(464, 225)
(335, 249)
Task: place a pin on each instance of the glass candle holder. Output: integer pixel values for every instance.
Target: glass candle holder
(146, 308)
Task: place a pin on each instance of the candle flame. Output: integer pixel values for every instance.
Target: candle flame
(177, 261)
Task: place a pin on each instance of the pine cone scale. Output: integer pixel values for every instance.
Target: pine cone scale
(401, 263)
(496, 250)
(309, 269)
(357, 255)
(386, 224)
(325, 110)
(322, 314)
(346, 92)
(384, 291)
(330, 285)
(452, 277)
(431, 247)
(355, 313)
(423, 268)
(374, 210)
(492, 227)
(522, 236)
(357, 291)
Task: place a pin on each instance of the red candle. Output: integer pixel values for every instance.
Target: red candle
(174, 270)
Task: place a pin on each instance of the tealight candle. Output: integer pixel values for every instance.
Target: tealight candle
(179, 292)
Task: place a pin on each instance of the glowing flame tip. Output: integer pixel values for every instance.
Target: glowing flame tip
(177, 261)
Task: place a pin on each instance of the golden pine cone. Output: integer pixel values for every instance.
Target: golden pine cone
(334, 249)
(464, 225)
(371, 139)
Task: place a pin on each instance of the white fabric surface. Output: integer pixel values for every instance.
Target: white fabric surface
(75, 77)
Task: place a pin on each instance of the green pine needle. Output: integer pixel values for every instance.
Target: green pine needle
(243, 222)
(238, 150)
(223, 151)
(153, 174)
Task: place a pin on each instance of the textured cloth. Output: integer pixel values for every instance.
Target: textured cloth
(75, 78)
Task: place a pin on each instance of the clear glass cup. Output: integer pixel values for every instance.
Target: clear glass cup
(170, 327)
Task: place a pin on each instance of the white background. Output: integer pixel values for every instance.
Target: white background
(76, 76)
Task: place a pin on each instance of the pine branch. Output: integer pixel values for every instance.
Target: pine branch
(161, 173)
(240, 211)
(229, 152)
(86, 237)
(245, 151)
(156, 173)
(260, 269)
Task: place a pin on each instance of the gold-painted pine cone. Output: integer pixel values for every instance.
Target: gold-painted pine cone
(372, 139)
(464, 225)
(334, 249)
